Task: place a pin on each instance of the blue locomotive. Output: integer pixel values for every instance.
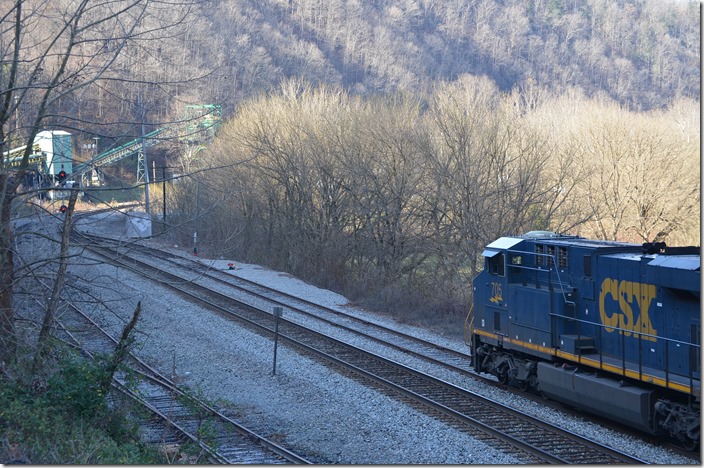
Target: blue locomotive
(612, 328)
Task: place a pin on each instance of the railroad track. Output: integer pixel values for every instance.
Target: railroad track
(510, 430)
(357, 328)
(177, 417)
(419, 348)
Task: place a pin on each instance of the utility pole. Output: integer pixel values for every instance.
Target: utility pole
(145, 163)
(163, 187)
(16, 140)
(278, 312)
(95, 155)
(17, 114)
(195, 231)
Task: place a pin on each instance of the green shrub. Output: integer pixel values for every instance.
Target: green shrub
(68, 421)
(75, 390)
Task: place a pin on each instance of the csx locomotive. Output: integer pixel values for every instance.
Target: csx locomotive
(612, 328)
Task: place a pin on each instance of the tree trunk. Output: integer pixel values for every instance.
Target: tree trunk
(7, 318)
(43, 346)
(121, 350)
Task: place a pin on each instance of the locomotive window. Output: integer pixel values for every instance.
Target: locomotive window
(539, 260)
(516, 260)
(497, 321)
(562, 257)
(588, 265)
(496, 265)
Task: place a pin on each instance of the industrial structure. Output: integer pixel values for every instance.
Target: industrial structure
(51, 161)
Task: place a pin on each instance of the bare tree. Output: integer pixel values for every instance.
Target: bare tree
(385, 194)
(642, 178)
(48, 324)
(387, 176)
(50, 52)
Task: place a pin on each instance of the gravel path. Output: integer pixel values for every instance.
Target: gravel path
(321, 415)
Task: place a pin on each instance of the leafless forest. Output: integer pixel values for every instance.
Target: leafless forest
(413, 133)
(641, 54)
(375, 147)
(392, 199)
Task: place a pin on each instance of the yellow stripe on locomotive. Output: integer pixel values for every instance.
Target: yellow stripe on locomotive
(610, 327)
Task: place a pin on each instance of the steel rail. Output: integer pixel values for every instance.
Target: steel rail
(197, 291)
(148, 374)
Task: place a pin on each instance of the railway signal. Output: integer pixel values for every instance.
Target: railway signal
(63, 209)
(61, 176)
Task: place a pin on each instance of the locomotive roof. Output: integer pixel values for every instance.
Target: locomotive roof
(688, 255)
(671, 267)
(546, 237)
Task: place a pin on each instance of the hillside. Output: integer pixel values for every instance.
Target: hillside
(641, 54)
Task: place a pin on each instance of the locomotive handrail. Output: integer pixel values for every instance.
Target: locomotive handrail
(468, 326)
(583, 329)
(667, 341)
(549, 267)
(548, 271)
(625, 330)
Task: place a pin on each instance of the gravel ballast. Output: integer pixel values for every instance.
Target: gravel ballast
(322, 415)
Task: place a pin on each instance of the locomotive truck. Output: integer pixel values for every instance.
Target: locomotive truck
(611, 328)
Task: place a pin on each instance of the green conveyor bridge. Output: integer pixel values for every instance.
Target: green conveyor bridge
(199, 118)
(121, 152)
(204, 120)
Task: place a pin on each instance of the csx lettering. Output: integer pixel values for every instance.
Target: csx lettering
(616, 307)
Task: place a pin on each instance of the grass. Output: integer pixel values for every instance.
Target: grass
(65, 420)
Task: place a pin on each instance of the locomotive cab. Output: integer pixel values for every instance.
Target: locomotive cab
(521, 292)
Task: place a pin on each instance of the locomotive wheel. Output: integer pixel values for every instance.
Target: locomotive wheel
(523, 385)
(532, 382)
(503, 378)
(689, 444)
